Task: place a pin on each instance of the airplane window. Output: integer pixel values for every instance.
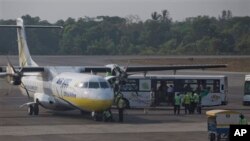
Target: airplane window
(66, 83)
(104, 85)
(85, 85)
(80, 85)
(94, 85)
(59, 81)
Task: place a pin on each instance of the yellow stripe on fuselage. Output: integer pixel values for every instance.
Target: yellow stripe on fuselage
(89, 104)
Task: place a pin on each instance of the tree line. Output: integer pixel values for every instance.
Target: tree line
(159, 35)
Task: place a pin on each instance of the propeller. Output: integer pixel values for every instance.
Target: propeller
(14, 77)
(120, 76)
(119, 72)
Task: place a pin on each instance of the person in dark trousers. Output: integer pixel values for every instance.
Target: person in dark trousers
(243, 120)
(192, 103)
(152, 97)
(177, 104)
(186, 101)
(121, 104)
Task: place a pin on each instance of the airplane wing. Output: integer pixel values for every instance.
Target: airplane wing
(19, 71)
(171, 67)
(152, 68)
(25, 69)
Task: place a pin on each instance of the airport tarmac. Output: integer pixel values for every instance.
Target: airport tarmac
(157, 125)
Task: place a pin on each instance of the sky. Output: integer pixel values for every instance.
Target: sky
(53, 10)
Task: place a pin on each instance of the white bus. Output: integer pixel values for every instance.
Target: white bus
(138, 88)
(246, 98)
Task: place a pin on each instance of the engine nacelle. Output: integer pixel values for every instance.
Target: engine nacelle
(51, 102)
(15, 80)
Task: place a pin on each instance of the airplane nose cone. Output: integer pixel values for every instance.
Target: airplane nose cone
(95, 100)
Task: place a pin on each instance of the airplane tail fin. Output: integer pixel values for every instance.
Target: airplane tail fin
(23, 50)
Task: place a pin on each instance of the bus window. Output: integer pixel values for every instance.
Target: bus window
(179, 85)
(131, 85)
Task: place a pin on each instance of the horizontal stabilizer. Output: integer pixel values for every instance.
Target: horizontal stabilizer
(25, 69)
(30, 26)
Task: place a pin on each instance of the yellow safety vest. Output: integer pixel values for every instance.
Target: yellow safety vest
(243, 121)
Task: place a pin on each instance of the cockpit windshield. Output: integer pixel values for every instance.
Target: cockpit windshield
(94, 85)
(83, 85)
(104, 85)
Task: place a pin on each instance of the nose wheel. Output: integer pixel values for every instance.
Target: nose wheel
(97, 116)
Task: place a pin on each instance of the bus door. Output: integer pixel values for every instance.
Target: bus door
(164, 90)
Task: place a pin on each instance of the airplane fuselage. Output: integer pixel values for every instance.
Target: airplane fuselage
(70, 90)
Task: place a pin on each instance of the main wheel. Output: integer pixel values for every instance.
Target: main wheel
(30, 109)
(36, 109)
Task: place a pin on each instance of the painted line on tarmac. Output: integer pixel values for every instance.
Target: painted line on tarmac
(101, 128)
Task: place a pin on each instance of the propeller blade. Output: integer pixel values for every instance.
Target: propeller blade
(9, 90)
(10, 66)
(23, 86)
(125, 69)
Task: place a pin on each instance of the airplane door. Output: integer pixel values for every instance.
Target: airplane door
(57, 87)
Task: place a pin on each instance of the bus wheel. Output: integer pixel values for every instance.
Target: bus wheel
(212, 137)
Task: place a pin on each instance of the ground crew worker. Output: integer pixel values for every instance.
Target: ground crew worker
(186, 101)
(196, 102)
(177, 104)
(243, 120)
(152, 97)
(192, 104)
(121, 104)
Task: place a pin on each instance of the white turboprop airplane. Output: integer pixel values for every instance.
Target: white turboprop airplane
(65, 87)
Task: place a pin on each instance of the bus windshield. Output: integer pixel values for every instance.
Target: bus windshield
(247, 88)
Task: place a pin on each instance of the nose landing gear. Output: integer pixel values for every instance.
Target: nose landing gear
(97, 116)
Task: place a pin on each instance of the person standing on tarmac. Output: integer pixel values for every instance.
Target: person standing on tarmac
(177, 104)
(192, 107)
(196, 102)
(186, 101)
(152, 97)
(243, 120)
(121, 105)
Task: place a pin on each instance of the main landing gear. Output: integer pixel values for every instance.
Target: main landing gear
(105, 116)
(33, 109)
